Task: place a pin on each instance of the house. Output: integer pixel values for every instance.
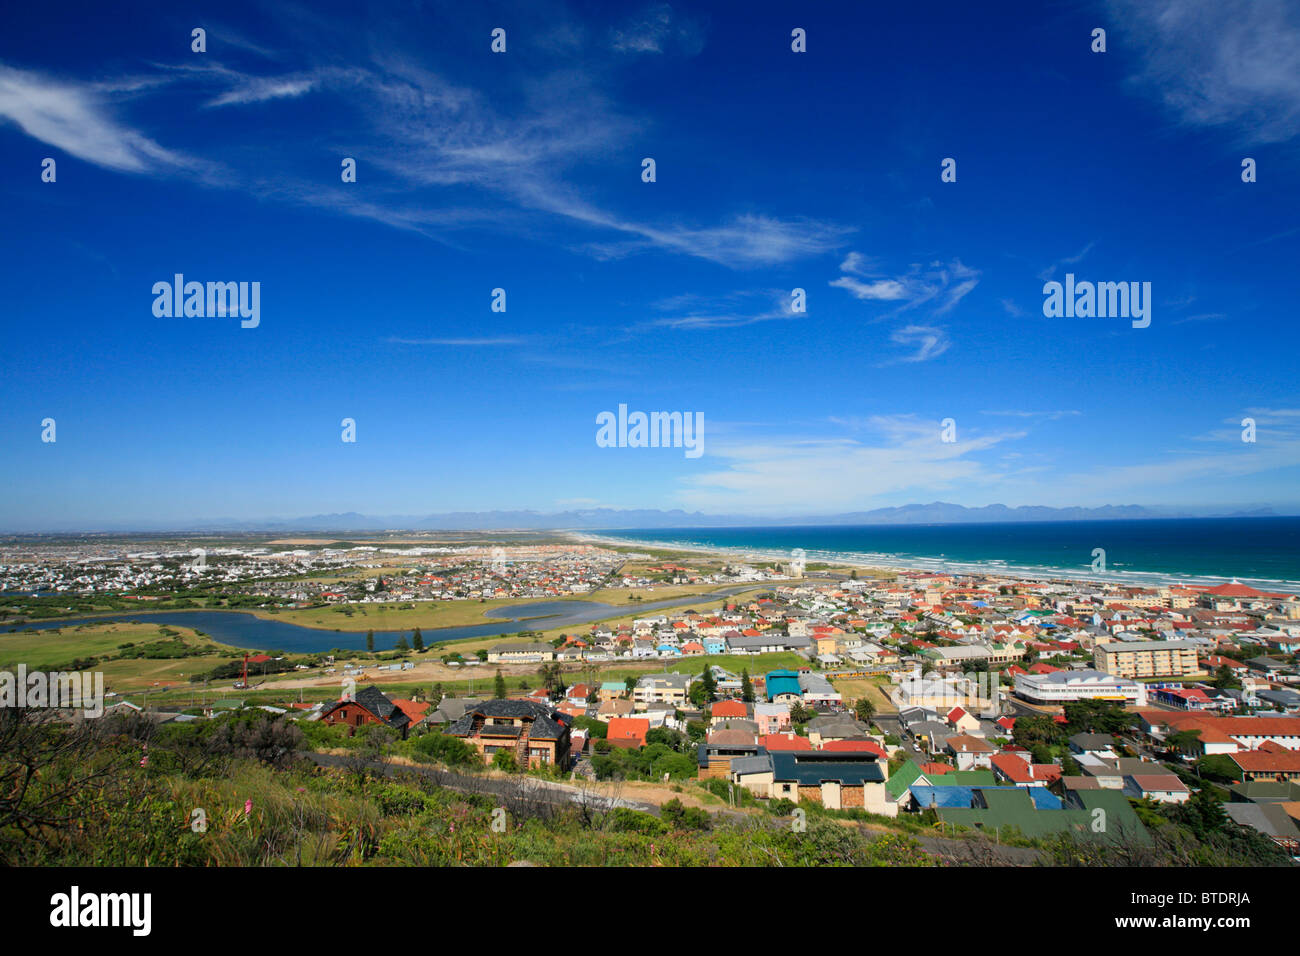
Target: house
(753, 773)
(822, 730)
(993, 808)
(835, 780)
(1097, 745)
(527, 653)
(614, 707)
(537, 734)
(962, 721)
(627, 732)
(369, 706)
(1017, 771)
(1161, 787)
(714, 645)
(969, 752)
(772, 718)
(1271, 763)
(728, 709)
(817, 690)
(661, 689)
(773, 743)
(783, 687)
(1110, 774)
(611, 690)
(720, 748)
(1269, 819)
(449, 709)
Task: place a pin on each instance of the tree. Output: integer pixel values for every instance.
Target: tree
(499, 688)
(1098, 717)
(1224, 679)
(401, 644)
(746, 687)
(710, 685)
(1037, 731)
(436, 695)
(505, 760)
(630, 684)
(417, 640)
(1218, 768)
(370, 641)
(1183, 741)
(864, 709)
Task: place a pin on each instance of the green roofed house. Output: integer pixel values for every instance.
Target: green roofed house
(900, 783)
(1090, 815)
(611, 690)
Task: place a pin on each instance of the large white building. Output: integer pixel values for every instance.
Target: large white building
(1062, 686)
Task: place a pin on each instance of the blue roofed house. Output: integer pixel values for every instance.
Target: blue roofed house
(783, 687)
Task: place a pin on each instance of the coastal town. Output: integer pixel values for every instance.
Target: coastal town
(970, 703)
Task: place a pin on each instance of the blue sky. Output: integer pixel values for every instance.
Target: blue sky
(522, 170)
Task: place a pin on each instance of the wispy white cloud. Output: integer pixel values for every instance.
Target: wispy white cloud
(1219, 63)
(904, 456)
(424, 133)
(657, 29)
(929, 342)
(938, 286)
(1048, 416)
(737, 309)
(75, 119)
(1078, 257)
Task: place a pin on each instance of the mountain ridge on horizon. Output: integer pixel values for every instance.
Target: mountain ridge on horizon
(609, 519)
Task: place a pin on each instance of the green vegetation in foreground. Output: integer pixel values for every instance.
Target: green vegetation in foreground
(93, 803)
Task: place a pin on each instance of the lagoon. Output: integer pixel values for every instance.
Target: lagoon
(244, 630)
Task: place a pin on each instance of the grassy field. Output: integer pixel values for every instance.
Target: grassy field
(56, 649)
(852, 690)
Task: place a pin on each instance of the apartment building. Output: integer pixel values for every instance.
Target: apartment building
(1147, 659)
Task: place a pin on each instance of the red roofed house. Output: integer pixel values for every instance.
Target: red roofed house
(729, 710)
(958, 719)
(1271, 763)
(1016, 770)
(855, 746)
(784, 742)
(627, 732)
(412, 709)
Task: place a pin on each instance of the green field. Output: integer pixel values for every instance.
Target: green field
(55, 650)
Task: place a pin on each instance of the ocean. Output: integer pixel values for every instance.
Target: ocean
(1263, 552)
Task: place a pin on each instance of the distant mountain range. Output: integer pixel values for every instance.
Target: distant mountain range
(594, 519)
